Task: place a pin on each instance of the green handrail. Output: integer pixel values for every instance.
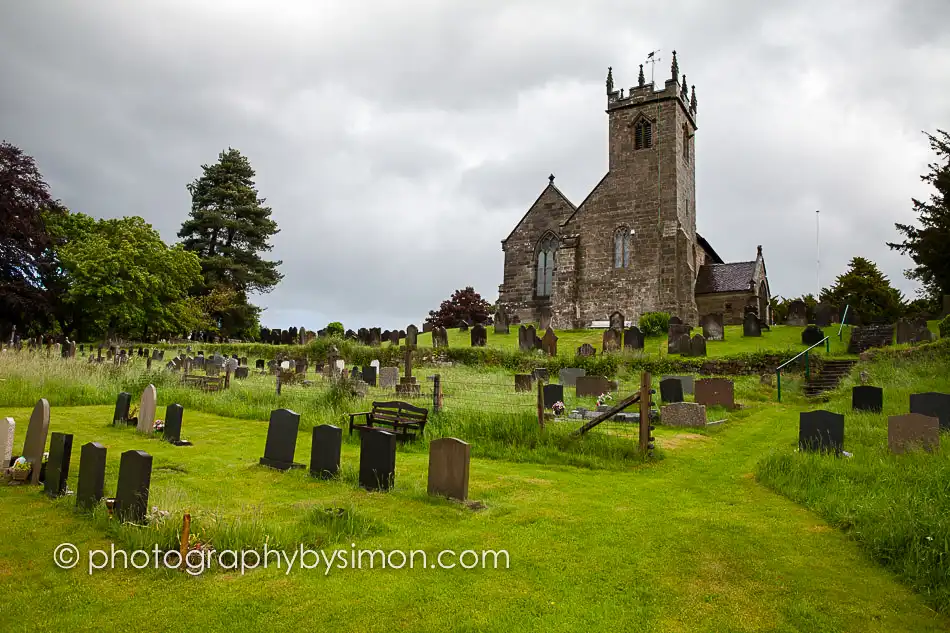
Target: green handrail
(844, 317)
(778, 370)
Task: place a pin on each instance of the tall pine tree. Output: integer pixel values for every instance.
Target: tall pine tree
(929, 245)
(229, 228)
(866, 289)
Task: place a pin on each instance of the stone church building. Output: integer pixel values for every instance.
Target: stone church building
(631, 245)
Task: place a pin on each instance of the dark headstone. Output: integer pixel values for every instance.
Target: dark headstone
(542, 374)
(713, 328)
(281, 440)
(697, 345)
(751, 325)
(501, 321)
(617, 321)
(412, 335)
(586, 350)
(715, 392)
(135, 476)
(479, 335)
(524, 382)
(823, 315)
(591, 386)
(633, 338)
(679, 344)
(440, 337)
(57, 466)
(553, 393)
(821, 431)
(549, 343)
(812, 335)
(935, 405)
(242, 372)
(377, 459)
(530, 339)
(173, 419)
(92, 475)
(797, 313)
(867, 398)
(122, 404)
(325, 449)
(611, 340)
(912, 430)
(449, 461)
(259, 364)
(671, 390)
(369, 375)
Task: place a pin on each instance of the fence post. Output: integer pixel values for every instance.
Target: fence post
(828, 345)
(227, 378)
(806, 366)
(437, 393)
(185, 535)
(778, 383)
(540, 404)
(278, 382)
(645, 439)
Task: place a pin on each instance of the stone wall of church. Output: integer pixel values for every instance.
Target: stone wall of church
(731, 304)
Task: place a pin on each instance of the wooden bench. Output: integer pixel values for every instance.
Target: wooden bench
(401, 417)
(205, 383)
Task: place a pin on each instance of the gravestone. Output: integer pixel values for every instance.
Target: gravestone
(912, 430)
(375, 336)
(633, 338)
(568, 376)
(715, 392)
(542, 374)
(934, 404)
(412, 335)
(524, 344)
(867, 398)
(671, 390)
(797, 313)
(122, 404)
(713, 327)
(531, 336)
(611, 340)
(377, 459)
(369, 375)
(586, 350)
(524, 382)
(173, 419)
(7, 431)
(281, 440)
(591, 386)
(147, 406)
(340, 365)
(325, 446)
(823, 315)
(553, 393)
(259, 364)
(697, 345)
(751, 325)
(674, 338)
(549, 343)
(688, 414)
(57, 466)
(242, 372)
(356, 374)
(681, 344)
(812, 335)
(501, 322)
(821, 431)
(687, 381)
(449, 462)
(35, 443)
(388, 377)
(135, 477)
(92, 475)
(617, 321)
(440, 337)
(544, 320)
(479, 335)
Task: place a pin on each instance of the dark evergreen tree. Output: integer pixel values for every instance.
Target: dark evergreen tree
(866, 289)
(463, 306)
(929, 244)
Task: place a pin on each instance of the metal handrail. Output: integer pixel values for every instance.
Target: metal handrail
(844, 317)
(778, 370)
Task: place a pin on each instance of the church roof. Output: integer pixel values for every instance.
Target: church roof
(713, 255)
(556, 191)
(735, 277)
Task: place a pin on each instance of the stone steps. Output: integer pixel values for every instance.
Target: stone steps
(828, 378)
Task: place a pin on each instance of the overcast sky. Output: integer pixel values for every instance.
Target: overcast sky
(399, 142)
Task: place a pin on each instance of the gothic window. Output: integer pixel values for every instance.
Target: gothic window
(545, 260)
(642, 134)
(685, 143)
(622, 247)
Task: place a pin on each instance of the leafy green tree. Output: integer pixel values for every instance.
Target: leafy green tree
(866, 289)
(335, 329)
(228, 229)
(929, 244)
(464, 305)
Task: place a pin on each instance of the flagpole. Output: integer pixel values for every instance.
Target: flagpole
(818, 249)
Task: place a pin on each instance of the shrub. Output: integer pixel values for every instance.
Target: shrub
(945, 327)
(335, 329)
(654, 323)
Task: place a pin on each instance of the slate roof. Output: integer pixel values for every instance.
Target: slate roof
(734, 277)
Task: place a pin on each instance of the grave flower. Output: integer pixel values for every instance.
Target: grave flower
(558, 407)
(603, 398)
(158, 425)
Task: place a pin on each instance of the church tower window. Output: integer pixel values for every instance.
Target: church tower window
(622, 247)
(545, 261)
(643, 134)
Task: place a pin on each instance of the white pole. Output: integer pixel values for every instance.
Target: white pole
(818, 250)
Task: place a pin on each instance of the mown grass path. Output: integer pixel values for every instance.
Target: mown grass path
(690, 543)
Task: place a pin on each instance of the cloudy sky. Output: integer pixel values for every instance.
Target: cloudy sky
(399, 142)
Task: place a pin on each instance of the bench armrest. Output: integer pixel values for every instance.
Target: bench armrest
(367, 414)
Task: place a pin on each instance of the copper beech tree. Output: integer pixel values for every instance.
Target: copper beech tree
(464, 306)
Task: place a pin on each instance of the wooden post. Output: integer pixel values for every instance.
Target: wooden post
(227, 377)
(185, 535)
(408, 362)
(541, 403)
(148, 364)
(645, 385)
(436, 393)
(278, 381)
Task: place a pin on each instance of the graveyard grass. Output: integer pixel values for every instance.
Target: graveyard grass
(692, 541)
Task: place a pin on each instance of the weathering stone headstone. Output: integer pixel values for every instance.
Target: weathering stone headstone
(377, 459)
(242, 372)
(449, 462)
(388, 377)
(687, 381)
(680, 344)
(259, 364)
(542, 374)
(867, 398)
(823, 314)
(687, 414)
(147, 406)
(412, 335)
(934, 404)
(568, 376)
(57, 466)
(281, 440)
(356, 374)
(36, 433)
(325, 446)
(812, 335)
(340, 365)
(797, 313)
(633, 338)
(713, 327)
(617, 320)
(369, 375)
(92, 475)
(174, 413)
(122, 404)
(544, 322)
(611, 340)
(501, 322)
(912, 430)
(7, 431)
(674, 338)
(697, 345)
(524, 382)
(715, 392)
(751, 325)
(549, 343)
(479, 335)
(440, 337)
(135, 478)
(553, 393)
(821, 431)
(671, 390)
(586, 350)
(591, 386)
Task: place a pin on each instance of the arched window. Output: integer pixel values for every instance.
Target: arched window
(545, 259)
(642, 134)
(622, 247)
(685, 142)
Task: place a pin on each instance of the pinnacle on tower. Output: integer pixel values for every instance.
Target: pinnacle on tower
(675, 67)
(610, 79)
(692, 101)
(684, 93)
(641, 80)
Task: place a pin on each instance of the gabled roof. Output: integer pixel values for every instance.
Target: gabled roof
(581, 205)
(735, 277)
(706, 246)
(543, 191)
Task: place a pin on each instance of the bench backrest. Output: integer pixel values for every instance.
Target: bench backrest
(396, 411)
